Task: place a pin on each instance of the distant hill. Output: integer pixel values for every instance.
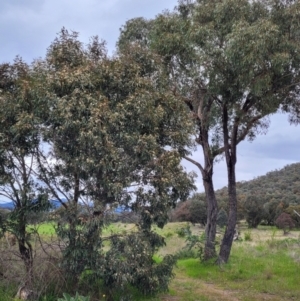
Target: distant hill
(280, 185)
(55, 204)
(7, 205)
(10, 205)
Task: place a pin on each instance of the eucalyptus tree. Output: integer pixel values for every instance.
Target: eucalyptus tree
(257, 71)
(233, 63)
(115, 136)
(168, 36)
(19, 137)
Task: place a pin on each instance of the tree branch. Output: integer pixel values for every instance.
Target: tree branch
(195, 163)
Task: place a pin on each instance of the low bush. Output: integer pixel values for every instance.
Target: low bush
(248, 236)
(285, 222)
(193, 210)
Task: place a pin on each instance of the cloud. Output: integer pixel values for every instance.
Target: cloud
(28, 27)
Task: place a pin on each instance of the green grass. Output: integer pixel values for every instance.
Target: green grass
(255, 269)
(6, 292)
(263, 268)
(46, 229)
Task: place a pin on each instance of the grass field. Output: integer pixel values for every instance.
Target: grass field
(264, 265)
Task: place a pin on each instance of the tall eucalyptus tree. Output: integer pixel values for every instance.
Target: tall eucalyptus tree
(233, 63)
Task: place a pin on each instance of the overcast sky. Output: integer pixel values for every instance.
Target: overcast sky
(27, 27)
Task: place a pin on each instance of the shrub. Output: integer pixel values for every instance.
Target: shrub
(272, 210)
(253, 207)
(182, 212)
(182, 232)
(248, 236)
(293, 211)
(192, 210)
(285, 222)
(186, 253)
(194, 245)
(222, 218)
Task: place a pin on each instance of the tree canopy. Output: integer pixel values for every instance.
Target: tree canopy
(103, 132)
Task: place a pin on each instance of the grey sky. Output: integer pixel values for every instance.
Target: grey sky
(27, 27)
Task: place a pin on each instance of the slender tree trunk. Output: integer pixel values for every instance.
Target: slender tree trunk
(201, 111)
(212, 212)
(73, 214)
(212, 207)
(26, 255)
(25, 249)
(232, 216)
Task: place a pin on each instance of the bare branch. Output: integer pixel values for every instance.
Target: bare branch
(195, 163)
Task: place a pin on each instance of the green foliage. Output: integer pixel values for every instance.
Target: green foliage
(114, 130)
(183, 231)
(77, 297)
(194, 244)
(294, 211)
(20, 120)
(285, 222)
(193, 210)
(275, 192)
(222, 218)
(98, 131)
(272, 210)
(6, 291)
(186, 253)
(253, 207)
(113, 139)
(279, 185)
(82, 249)
(44, 229)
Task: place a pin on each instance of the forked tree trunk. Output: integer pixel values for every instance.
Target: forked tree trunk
(201, 113)
(230, 155)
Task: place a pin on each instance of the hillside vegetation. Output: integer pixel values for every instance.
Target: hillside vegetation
(281, 185)
(261, 200)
